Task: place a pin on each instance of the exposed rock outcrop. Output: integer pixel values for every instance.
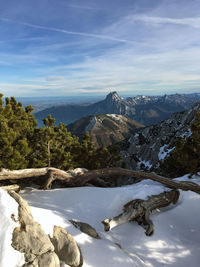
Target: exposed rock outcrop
(150, 145)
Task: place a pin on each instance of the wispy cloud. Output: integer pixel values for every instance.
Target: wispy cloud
(28, 39)
(84, 34)
(85, 7)
(153, 52)
(192, 22)
(123, 71)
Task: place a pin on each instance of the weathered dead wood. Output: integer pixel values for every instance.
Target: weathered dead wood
(13, 187)
(139, 210)
(45, 175)
(50, 174)
(6, 174)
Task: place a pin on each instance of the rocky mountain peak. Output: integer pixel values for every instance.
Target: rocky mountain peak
(113, 96)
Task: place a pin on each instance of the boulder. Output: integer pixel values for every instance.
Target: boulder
(66, 247)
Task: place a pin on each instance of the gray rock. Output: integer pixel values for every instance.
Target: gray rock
(86, 228)
(30, 239)
(66, 247)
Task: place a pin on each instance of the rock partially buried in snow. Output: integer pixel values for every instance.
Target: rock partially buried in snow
(86, 228)
(30, 239)
(66, 247)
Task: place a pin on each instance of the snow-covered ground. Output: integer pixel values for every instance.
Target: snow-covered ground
(175, 242)
(9, 257)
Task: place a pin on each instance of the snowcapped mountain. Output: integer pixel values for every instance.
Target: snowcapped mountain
(150, 145)
(141, 100)
(105, 129)
(147, 110)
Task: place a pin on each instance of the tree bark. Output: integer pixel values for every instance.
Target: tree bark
(139, 210)
(48, 175)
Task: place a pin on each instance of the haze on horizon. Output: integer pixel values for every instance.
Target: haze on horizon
(74, 47)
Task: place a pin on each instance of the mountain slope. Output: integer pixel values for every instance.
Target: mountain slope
(105, 129)
(149, 145)
(144, 109)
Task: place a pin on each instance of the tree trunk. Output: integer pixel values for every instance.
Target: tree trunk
(6, 174)
(49, 154)
(139, 210)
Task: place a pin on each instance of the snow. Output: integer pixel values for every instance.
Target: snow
(9, 257)
(164, 151)
(116, 117)
(147, 164)
(186, 134)
(175, 242)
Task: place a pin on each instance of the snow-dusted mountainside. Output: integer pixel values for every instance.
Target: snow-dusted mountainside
(105, 129)
(147, 110)
(149, 145)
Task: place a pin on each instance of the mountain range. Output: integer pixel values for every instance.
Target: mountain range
(147, 110)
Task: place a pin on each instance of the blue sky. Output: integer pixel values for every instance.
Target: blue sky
(74, 47)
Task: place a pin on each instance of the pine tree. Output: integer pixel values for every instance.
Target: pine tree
(107, 157)
(16, 127)
(42, 143)
(61, 150)
(84, 154)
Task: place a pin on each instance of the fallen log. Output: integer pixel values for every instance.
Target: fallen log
(81, 180)
(45, 175)
(48, 175)
(139, 210)
(6, 174)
